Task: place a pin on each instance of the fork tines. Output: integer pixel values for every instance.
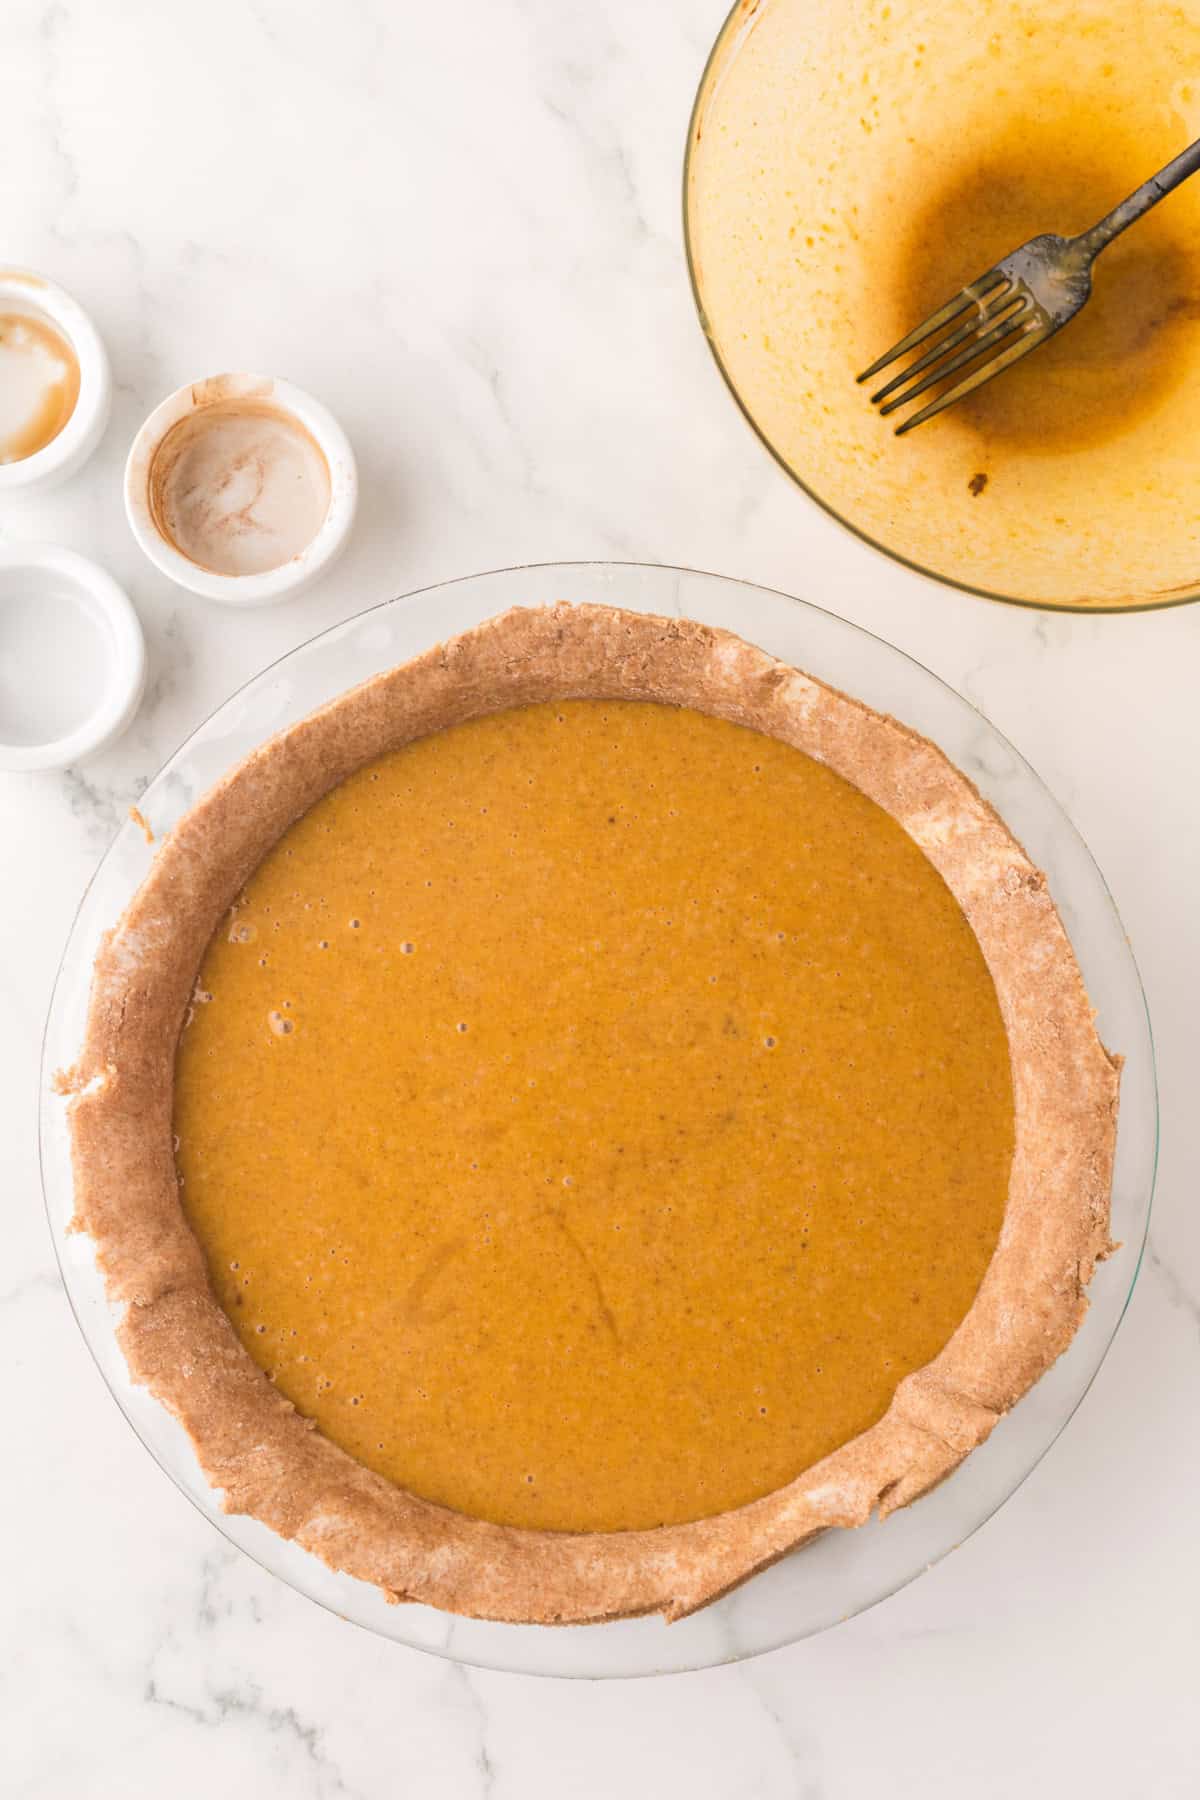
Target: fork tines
(1002, 323)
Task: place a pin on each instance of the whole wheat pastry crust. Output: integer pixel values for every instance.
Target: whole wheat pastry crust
(260, 1453)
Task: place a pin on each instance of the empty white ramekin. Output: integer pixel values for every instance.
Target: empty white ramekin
(272, 584)
(21, 291)
(72, 657)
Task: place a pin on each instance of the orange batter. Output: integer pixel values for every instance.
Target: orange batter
(591, 1112)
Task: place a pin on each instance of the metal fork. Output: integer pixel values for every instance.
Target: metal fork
(1012, 308)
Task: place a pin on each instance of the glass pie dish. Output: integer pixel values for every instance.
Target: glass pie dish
(845, 1571)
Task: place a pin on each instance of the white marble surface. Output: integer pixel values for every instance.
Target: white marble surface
(460, 227)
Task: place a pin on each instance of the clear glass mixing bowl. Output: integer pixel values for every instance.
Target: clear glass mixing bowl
(829, 139)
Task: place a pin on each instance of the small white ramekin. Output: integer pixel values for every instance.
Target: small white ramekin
(22, 291)
(289, 577)
(30, 571)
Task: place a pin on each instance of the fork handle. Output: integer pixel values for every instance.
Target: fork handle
(1140, 201)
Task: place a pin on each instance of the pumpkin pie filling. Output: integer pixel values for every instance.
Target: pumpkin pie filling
(591, 1112)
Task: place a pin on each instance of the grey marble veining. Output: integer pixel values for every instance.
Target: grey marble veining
(460, 227)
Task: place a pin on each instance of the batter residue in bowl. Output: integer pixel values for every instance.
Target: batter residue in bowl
(39, 384)
(239, 487)
(853, 165)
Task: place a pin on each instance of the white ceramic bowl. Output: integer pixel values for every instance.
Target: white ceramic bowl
(22, 291)
(289, 577)
(72, 657)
